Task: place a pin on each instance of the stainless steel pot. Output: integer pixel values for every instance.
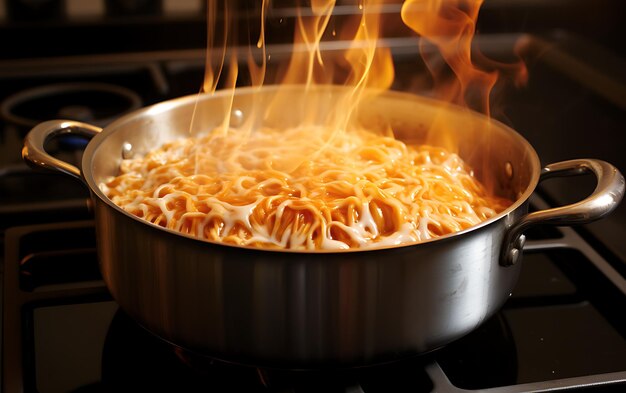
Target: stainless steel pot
(302, 309)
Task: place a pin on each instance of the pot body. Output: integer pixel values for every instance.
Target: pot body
(304, 309)
(301, 309)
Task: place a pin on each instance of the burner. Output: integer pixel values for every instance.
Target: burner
(95, 103)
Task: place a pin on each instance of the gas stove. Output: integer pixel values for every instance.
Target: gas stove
(562, 329)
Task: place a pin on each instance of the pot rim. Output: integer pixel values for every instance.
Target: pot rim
(168, 105)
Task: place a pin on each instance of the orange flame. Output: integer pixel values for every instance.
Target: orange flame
(365, 64)
(450, 25)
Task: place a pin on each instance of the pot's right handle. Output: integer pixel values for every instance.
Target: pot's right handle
(604, 199)
(34, 151)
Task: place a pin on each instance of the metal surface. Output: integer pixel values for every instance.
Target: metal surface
(34, 145)
(607, 195)
(571, 240)
(301, 309)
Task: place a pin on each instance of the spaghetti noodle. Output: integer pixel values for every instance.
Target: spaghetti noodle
(315, 190)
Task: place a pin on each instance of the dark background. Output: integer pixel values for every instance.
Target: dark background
(40, 28)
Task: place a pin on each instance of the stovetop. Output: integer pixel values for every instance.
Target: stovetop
(562, 329)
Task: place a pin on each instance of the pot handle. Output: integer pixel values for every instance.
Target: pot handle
(603, 200)
(34, 152)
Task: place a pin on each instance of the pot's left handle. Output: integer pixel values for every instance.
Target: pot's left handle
(604, 199)
(34, 152)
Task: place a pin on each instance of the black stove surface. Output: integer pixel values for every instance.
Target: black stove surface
(562, 329)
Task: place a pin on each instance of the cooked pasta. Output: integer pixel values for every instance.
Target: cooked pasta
(312, 190)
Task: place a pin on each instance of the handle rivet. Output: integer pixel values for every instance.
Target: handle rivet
(236, 118)
(508, 170)
(127, 151)
(514, 255)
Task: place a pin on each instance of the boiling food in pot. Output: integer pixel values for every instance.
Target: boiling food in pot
(305, 188)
